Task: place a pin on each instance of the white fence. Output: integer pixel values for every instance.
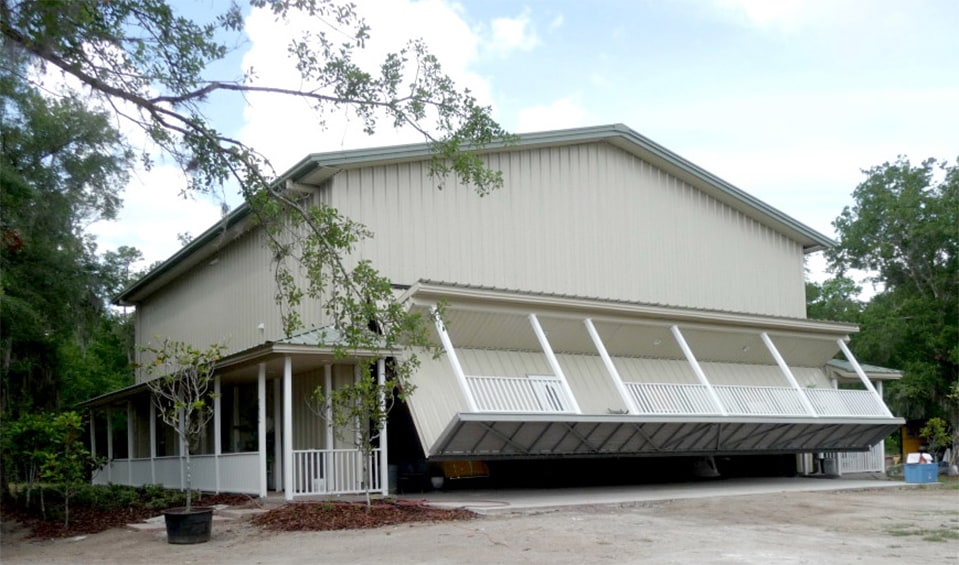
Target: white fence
(334, 471)
(519, 394)
(872, 461)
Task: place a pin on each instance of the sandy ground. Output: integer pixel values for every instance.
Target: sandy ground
(869, 527)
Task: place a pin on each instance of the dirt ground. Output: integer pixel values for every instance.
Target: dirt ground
(901, 526)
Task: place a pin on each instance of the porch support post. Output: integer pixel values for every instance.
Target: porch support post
(882, 443)
(261, 426)
(130, 417)
(93, 433)
(217, 429)
(278, 435)
(788, 373)
(697, 369)
(109, 445)
(862, 375)
(328, 407)
(153, 442)
(611, 367)
(453, 359)
(384, 471)
(288, 427)
(553, 361)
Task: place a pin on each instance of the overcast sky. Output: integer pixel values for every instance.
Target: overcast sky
(788, 100)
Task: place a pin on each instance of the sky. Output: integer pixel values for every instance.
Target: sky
(787, 100)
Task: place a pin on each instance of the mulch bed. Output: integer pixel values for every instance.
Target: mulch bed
(322, 516)
(85, 520)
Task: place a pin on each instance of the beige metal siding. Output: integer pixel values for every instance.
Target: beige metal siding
(642, 370)
(587, 220)
(746, 375)
(811, 377)
(309, 429)
(591, 383)
(436, 399)
(496, 363)
(222, 300)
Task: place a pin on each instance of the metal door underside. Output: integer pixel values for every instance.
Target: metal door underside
(506, 436)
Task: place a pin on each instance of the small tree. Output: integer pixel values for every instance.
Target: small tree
(68, 463)
(182, 392)
(936, 433)
(358, 413)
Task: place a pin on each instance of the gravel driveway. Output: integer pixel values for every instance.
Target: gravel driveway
(891, 525)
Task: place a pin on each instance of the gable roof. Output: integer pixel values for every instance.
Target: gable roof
(317, 168)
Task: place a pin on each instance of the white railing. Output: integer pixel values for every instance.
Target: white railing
(839, 402)
(872, 461)
(334, 471)
(239, 472)
(689, 399)
(519, 394)
(761, 400)
(656, 398)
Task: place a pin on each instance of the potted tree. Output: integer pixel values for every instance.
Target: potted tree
(181, 383)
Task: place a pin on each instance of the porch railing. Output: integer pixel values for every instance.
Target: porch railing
(334, 471)
(839, 402)
(694, 399)
(761, 400)
(519, 394)
(656, 398)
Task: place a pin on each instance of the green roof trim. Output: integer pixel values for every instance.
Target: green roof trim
(846, 367)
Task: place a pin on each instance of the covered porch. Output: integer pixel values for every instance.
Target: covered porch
(530, 376)
(266, 435)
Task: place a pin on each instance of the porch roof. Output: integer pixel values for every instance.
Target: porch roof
(311, 348)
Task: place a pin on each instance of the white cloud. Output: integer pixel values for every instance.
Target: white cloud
(513, 34)
(154, 213)
(286, 130)
(557, 22)
(783, 14)
(561, 113)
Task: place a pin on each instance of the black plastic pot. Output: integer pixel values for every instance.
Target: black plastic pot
(184, 527)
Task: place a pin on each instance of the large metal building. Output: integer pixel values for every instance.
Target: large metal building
(613, 299)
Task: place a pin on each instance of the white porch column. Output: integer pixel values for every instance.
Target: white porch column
(862, 375)
(288, 427)
(384, 471)
(453, 359)
(882, 442)
(153, 442)
(611, 367)
(109, 445)
(278, 435)
(93, 433)
(261, 426)
(553, 361)
(787, 372)
(130, 417)
(697, 369)
(217, 429)
(328, 407)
